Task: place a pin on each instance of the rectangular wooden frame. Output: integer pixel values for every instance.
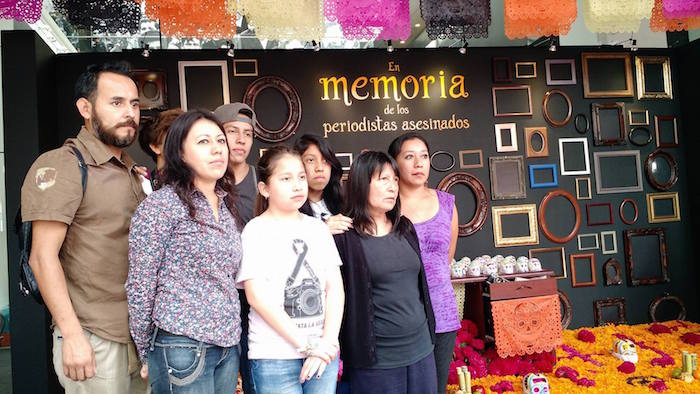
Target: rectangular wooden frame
(236, 73)
(580, 237)
(604, 247)
(657, 131)
(471, 152)
(539, 167)
(493, 175)
(572, 264)
(621, 137)
(588, 93)
(665, 62)
(638, 111)
(349, 156)
(542, 132)
(651, 211)
(579, 140)
(548, 72)
(511, 87)
(530, 210)
(588, 187)
(182, 65)
(599, 204)
(509, 70)
(532, 253)
(598, 175)
(665, 276)
(498, 129)
(518, 74)
(599, 305)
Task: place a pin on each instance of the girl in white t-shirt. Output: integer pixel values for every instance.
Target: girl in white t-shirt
(290, 271)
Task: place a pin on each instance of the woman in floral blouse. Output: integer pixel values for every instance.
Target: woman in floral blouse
(184, 255)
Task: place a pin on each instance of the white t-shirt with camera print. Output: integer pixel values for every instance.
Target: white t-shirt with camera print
(272, 248)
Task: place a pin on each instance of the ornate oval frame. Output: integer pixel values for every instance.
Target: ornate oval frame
(636, 211)
(588, 124)
(630, 136)
(543, 221)
(672, 164)
(568, 309)
(545, 108)
(615, 280)
(291, 96)
(666, 297)
(444, 169)
(482, 199)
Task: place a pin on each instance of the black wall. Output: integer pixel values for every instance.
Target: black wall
(304, 68)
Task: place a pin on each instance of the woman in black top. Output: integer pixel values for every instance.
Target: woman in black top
(386, 340)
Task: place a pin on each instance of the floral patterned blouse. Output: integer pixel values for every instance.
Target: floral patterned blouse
(182, 271)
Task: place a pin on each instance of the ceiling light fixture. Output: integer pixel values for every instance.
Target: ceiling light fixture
(463, 48)
(231, 49)
(146, 50)
(315, 46)
(389, 47)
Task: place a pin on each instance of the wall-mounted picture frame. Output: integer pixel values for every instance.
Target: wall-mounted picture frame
(637, 261)
(634, 136)
(583, 188)
(262, 151)
(245, 67)
(656, 164)
(536, 142)
(509, 144)
(574, 259)
(471, 158)
(608, 242)
(612, 272)
(638, 117)
(556, 121)
(617, 172)
(345, 159)
(607, 133)
(525, 69)
(507, 175)
(543, 217)
(661, 140)
(560, 71)
(625, 218)
(549, 169)
(559, 261)
(203, 76)
(512, 100)
(600, 305)
(293, 107)
(657, 202)
(439, 164)
(573, 156)
(588, 241)
(607, 74)
(480, 196)
(502, 70)
(654, 77)
(152, 86)
(666, 299)
(531, 238)
(599, 214)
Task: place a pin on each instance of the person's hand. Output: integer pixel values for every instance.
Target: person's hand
(141, 170)
(312, 366)
(78, 357)
(326, 350)
(144, 372)
(338, 224)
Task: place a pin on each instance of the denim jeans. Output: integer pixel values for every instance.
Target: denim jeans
(282, 377)
(177, 364)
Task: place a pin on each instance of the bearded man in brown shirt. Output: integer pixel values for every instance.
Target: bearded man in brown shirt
(80, 239)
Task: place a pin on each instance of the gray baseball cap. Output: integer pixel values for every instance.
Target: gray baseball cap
(235, 112)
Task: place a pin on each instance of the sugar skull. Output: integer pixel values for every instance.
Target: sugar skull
(489, 269)
(522, 266)
(535, 383)
(534, 264)
(625, 350)
(506, 267)
(510, 259)
(485, 257)
(455, 269)
(475, 267)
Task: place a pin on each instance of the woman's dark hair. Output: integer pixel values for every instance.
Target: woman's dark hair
(180, 175)
(333, 192)
(265, 168)
(153, 131)
(397, 143)
(367, 166)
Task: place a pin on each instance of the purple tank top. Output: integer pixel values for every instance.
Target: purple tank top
(434, 236)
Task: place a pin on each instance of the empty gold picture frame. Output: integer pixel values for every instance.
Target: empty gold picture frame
(463, 163)
(525, 70)
(583, 189)
(562, 258)
(249, 65)
(628, 91)
(633, 117)
(654, 217)
(498, 212)
(642, 91)
(531, 132)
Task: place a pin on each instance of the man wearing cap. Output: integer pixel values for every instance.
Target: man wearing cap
(238, 120)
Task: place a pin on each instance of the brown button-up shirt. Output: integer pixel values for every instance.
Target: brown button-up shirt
(94, 254)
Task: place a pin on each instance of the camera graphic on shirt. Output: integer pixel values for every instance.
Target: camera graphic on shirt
(303, 300)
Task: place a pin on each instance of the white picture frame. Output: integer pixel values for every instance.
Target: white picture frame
(181, 72)
(345, 155)
(498, 129)
(562, 164)
(605, 248)
(581, 237)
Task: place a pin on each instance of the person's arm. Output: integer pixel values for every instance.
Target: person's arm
(454, 234)
(77, 354)
(335, 302)
(338, 224)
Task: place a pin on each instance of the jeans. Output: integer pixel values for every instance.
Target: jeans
(417, 378)
(177, 364)
(282, 377)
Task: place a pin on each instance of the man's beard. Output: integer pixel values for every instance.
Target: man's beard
(109, 135)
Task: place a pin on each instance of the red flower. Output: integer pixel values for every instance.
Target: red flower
(663, 361)
(691, 338)
(478, 344)
(586, 382)
(657, 329)
(464, 337)
(658, 386)
(469, 326)
(502, 386)
(586, 336)
(626, 367)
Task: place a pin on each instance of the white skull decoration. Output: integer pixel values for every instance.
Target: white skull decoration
(522, 266)
(475, 267)
(506, 267)
(625, 350)
(523, 258)
(455, 269)
(489, 268)
(534, 264)
(485, 257)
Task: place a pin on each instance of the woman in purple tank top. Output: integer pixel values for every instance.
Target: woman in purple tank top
(434, 216)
